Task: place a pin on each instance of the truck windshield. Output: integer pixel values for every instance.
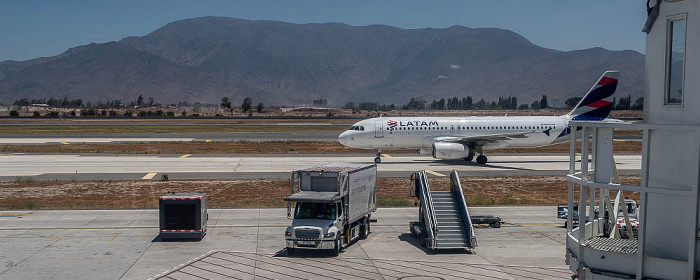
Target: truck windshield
(323, 211)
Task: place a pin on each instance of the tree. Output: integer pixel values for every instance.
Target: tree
(139, 101)
(638, 104)
(226, 104)
(14, 113)
(572, 102)
(416, 103)
(260, 107)
(349, 105)
(535, 105)
(247, 104)
(543, 102)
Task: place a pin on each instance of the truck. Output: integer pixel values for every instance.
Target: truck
(333, 206)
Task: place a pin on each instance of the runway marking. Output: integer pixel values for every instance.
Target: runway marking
(435, 173)
(207, 141)
(185, 156)
(12, 216)
(386, 155)
(114, 237)
(149, 176)
(65, 143)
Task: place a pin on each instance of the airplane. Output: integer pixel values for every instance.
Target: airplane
(463, 137)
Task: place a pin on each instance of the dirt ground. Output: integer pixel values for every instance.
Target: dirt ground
(23, 194)
(280, 147)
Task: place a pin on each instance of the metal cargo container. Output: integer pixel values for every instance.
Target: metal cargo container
(183, 215)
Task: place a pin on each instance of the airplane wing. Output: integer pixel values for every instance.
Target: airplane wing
(480, 140)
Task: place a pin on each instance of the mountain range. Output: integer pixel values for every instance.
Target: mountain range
(278, 63)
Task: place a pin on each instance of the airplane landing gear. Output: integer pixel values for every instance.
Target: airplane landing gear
(481, 159)
(378, 159)
(470, 157)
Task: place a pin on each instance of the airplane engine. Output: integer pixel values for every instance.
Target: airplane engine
(424, 151)
(450, 151)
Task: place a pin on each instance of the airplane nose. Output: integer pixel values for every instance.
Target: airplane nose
(343, 138)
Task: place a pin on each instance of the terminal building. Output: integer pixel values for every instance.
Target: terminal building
(667, 243)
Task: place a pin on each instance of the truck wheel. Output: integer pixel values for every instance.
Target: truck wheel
(336, 248)
(497, 224)
(290, 251)
(364, 230)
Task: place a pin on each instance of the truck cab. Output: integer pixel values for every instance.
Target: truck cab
(316, 225)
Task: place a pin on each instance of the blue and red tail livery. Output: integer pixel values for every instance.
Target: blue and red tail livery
(597, 103)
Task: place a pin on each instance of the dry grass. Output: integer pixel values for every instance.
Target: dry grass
(280, 147)
(518, 190)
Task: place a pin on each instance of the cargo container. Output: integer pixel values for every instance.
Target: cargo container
(183, 215)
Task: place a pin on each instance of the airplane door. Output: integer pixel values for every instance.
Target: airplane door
(459, 129)
(378, 129)
(452, 129)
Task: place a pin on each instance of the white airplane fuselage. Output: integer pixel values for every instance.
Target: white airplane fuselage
(423, 132)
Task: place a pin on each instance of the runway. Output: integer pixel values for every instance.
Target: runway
(95, 138)
(224, 167)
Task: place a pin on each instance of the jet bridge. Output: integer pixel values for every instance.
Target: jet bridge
(443, 219)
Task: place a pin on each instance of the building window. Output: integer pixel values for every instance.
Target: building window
(675, 61)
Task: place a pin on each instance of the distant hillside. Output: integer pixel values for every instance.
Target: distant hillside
(204, 59)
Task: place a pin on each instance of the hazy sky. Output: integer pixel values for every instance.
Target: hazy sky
(35, 28)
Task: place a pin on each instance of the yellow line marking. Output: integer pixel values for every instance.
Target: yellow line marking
(386, 155)
(435, 173)
(207, 141)
(619, 140)
(149, 176)
(65, 143)
(11, 216)
(185, 156)
(114, 237)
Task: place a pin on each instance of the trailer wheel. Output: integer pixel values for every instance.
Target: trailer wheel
(290, 251)
(497, 225)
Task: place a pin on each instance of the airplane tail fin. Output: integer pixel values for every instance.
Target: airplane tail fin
(597, 103)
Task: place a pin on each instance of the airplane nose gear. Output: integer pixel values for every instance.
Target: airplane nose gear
(481, 159)
(378, 159)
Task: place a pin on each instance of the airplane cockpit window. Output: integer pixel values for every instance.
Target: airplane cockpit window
(359, 128)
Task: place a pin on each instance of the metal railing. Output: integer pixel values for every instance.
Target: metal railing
(456, 188)
(596, 177)
(429, 211)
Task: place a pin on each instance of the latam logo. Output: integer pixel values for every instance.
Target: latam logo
(392, 125)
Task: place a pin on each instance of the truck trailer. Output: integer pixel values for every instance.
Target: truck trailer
(334, 203)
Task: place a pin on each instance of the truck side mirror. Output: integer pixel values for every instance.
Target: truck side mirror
(289, 210)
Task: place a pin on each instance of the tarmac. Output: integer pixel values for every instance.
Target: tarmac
(249, 244)
(227, 167)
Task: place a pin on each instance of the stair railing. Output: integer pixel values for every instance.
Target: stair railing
(427, 204)
(456, 189)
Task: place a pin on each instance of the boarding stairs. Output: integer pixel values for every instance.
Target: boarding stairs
(444, 221)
